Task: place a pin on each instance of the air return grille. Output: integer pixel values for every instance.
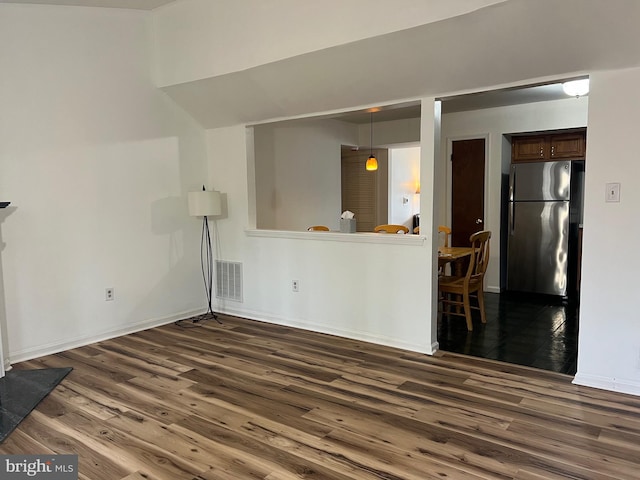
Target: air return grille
(229, 280)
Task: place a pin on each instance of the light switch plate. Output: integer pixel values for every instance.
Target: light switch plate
(613, 192)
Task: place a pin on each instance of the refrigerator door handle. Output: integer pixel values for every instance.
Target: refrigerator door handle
(512, 183)
(512, 212)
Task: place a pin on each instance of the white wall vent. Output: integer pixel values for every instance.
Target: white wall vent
(229, 280)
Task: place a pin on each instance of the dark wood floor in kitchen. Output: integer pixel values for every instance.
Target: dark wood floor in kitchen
(537, 331)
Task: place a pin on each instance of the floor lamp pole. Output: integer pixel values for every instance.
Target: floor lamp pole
(206, 261)
(204, 204)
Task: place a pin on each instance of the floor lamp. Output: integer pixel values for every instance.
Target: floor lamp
(204, 204)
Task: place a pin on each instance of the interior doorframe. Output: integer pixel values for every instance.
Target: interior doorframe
(449, 179)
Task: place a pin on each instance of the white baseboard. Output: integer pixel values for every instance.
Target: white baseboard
(352, 334)
(607, 383)
(57, 347)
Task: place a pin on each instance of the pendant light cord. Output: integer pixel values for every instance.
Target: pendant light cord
(371, 133)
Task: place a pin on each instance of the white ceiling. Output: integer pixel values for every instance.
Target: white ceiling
(461, 103)
(132, 4)
(501, 98)
(504, 44)
(510, 43)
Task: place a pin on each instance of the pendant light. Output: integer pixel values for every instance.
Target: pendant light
(372, 162)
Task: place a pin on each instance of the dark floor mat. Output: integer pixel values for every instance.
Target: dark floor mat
(21, 391)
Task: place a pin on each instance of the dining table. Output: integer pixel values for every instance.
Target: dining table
(453, 255)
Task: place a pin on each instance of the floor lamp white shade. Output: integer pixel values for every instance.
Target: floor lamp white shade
(204, 203)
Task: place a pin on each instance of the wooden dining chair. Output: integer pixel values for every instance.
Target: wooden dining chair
(457, 291)
(390, 228)
(318, 228)
(447, 233)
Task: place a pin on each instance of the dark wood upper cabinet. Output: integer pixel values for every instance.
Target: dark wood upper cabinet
(569, 145)
(547, 147)
(527, 149)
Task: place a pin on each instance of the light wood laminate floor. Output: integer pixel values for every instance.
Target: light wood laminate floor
(249, 400)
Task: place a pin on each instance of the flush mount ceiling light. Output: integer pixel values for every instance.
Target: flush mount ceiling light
(576, 88)
(372, 162)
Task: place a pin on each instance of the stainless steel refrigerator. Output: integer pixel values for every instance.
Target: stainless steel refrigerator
(539, 214)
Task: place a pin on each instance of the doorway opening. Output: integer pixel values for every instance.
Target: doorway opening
(528, 329)
(364, 193)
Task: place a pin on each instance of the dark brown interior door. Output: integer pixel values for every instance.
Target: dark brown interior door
(467, 190)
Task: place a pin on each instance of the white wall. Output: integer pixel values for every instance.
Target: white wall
(609, 343)
(493, 123)
(390, 133)
(347, 285)
(404, 178)
(97, 163)
(298, 165)
(260, 33)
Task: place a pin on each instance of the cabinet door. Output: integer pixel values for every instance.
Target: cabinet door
(527, 149)
(570, 145)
